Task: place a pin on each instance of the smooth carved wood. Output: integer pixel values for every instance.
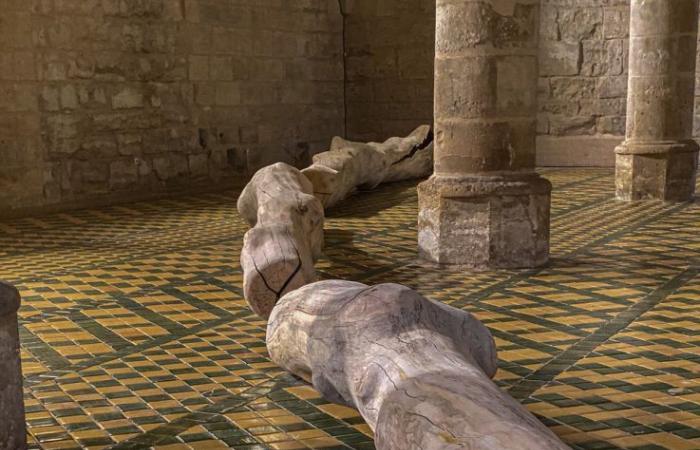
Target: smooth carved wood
(279, 252)
(281, 205)
(418, 371)
(348, 165)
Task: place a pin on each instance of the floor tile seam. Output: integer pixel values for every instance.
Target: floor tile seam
(40, 350)
(586, 279)
(638, 370)
(131, 258)
(134, 257)
(609, 263)
(200, 305)
(214, 204)
(478, 297)
(110, 231)
(339, 214)
(367, 274)
(587, 179)
(640, 223)
(135, 238)
(532, 272)
(538, 301)
(233, 268)
(525, 343)
(54, 374)
(79, 306)
(639, 251)
(581, 208)
(573, 305)
(607, 211)
(178, 426)
(540, 321)
(605, 332)
(210, 204)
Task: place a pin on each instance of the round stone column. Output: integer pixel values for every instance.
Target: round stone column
(659, 159)
(485, 207)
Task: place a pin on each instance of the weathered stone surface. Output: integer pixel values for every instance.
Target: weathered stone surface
(279, 252)
(417, 370)
(485, 207)
(658, 159)
(166, 73)
(483, 221)
(559, 58)
(12, 423)
(656, 171)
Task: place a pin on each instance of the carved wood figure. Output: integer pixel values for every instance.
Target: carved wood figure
(349, 166)
(280, 250)
(418, 371)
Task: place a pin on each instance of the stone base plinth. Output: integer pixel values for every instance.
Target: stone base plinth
(656, 171)
(485, 222)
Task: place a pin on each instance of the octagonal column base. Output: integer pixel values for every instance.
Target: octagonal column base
(656, 171)
(485, 222)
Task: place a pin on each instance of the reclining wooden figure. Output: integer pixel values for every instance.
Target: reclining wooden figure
(418, 371)
(280, 250)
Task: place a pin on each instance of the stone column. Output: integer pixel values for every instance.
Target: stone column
(658, 159)
(12, 426)
(485, 207)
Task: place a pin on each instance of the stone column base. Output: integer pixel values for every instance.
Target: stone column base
(656, 171)
(485, 222)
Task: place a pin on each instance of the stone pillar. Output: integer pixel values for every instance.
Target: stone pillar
(485, 207)
(12, 426)
(658, 159)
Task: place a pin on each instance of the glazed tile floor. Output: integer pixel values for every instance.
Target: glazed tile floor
(135, 334)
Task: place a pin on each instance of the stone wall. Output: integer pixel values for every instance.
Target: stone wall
(583, 74)
(389, 47)
(583, 80)
(21, 173)
(103, 100)
(108, 99)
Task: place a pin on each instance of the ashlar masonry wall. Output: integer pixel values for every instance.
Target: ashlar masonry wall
(109, 99)
(582, 85)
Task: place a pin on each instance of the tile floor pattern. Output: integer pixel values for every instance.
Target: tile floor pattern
(135, 334)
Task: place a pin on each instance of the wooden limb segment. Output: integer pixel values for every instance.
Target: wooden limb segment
(349, 166)
(279, 252)
(418, 371)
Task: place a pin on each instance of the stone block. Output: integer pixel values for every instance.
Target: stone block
(559, 58)
(616, 22)
(612, 87)
(577, 23)
(228, 94)
(199, 68)
(484, 222)
(123, 173)
(602, 58)
(656, 171)
(69, 97)
(49, 99)
(561, 125)
(199, 164)
(170, 166)
(127, 98)
(614, 125)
